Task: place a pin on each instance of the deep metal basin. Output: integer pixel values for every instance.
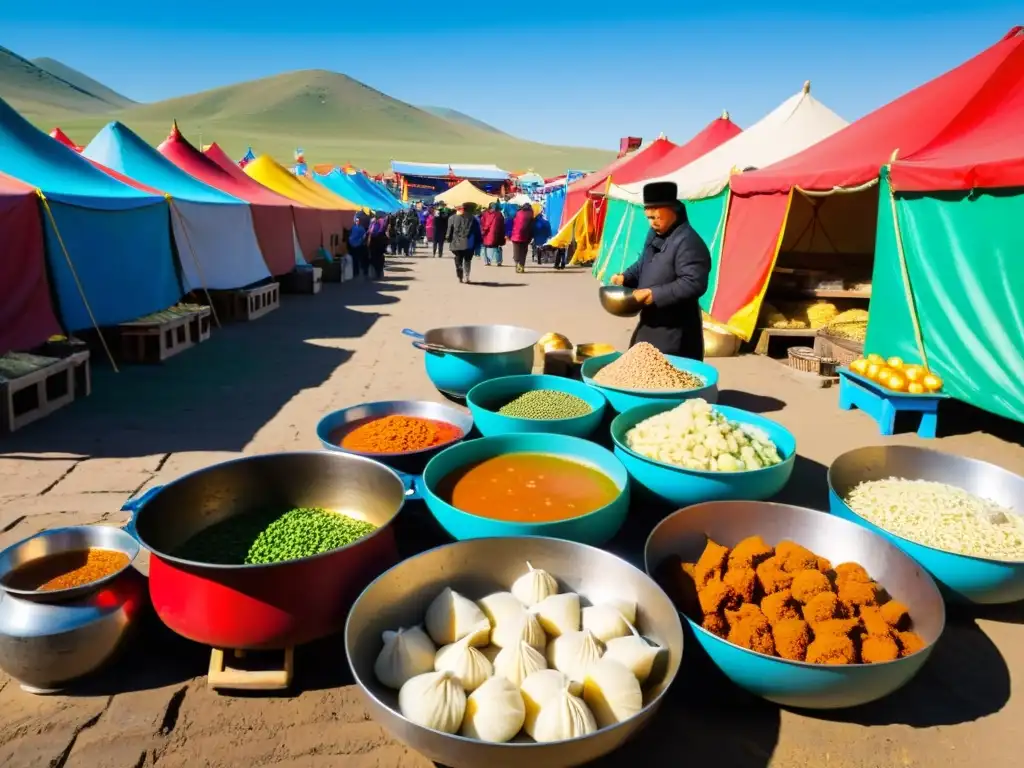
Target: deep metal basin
(618, 300)
(476, 568)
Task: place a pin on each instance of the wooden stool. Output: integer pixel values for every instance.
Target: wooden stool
(883, 404)
(221, 676)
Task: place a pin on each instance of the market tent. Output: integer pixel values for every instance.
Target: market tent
(797, 123)
(343, 184)
(333, 213)
(307, 221)
(379, 190)
(271, 213)
(948, 277)
(64, 139)
(217, 247)
(465, 192)
(27, 318)
(117, 238)
(771, 207)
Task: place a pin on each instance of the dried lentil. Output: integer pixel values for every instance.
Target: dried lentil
(644, 367)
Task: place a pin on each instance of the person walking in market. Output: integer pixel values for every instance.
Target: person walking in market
(541, 234)
(428, 226)
(669, 277)
(522, 234)
(379, 241)
(463, 236)
(441, 217)
(408, 226)
(492, 231)
(357, 247)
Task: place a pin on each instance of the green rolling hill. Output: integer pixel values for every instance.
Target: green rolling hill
(461, 117)
(83, 82)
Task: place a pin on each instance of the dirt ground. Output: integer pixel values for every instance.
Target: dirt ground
(262, 387)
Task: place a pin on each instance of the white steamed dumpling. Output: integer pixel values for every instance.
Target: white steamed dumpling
(612, 692)
(626, 607)
(452, 617)
(634, 653)
(501, 608)
(433, 700)
(469, 665)
(573, 653)
(605, 622)
(494, 712)
(517, 662)
(559, 614)
(564, 716)
(538, 688)
(534, 586)
(525, 627)
(406, 653)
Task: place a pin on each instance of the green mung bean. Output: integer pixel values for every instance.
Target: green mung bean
(546, 404)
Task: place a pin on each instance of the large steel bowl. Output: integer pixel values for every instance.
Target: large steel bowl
(266, 606)
(963, 578)
(411, 462)
(476, 568)
(623, 399)
(618, 300)
(684, 534)
(460, 357)
(682, 486)
(49, 639)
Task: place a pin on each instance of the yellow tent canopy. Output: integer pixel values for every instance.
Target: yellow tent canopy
(465, 192)
(275, 176)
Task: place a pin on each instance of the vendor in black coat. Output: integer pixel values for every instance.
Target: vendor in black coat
(670, 277)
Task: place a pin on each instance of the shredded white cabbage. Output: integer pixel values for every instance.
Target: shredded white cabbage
(696, 436)
(941, 516)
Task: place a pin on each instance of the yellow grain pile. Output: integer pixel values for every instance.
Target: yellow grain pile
(804, 314)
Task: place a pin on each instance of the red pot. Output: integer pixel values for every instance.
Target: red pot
(266, 606)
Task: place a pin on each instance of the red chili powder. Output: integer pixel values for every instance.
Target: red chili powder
(399, 434)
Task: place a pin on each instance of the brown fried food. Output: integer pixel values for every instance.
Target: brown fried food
(878, 648)
(743, 580)
(716, 625)
(910, 642)
(858, 593)
(896, 615)
(748, 628)
(716, 595)
(852, 572)
(874, 621)
(808, 583)
(792, 636)
(750, 553)
(824, 606)
(841, 627)
(831, 649)
(793, 558)
(711, 564)
(772, 578)
(780, 606)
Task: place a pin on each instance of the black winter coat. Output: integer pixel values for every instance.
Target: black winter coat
(675, 266)
(461, 229)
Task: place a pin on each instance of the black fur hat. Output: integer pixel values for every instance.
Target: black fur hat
(660, 194)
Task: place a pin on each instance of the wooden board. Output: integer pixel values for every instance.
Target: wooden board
(222, 676)
(767, 334)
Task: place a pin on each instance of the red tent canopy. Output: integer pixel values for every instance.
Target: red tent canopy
(636, 163)
(63, 138)
(27, 318)
(309, 222)
(951, 117)
(271, 213)
(718, 131)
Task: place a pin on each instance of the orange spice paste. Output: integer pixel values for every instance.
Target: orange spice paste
(399, 434)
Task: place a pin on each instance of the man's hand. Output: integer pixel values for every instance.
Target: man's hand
(617, 279)
(644, 295)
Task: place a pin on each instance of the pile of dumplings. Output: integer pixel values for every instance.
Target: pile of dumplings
(529, 660)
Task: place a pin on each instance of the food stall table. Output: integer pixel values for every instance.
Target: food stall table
(883, 404)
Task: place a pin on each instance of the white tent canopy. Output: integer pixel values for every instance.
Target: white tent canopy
(796, 124)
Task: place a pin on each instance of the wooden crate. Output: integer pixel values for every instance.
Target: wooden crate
(246, 304)
(155, 338)
(32, 387)
(788, 337)
(199, 325)
(308, 280)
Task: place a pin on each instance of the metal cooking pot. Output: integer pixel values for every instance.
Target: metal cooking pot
(460, 357)
(266, 606)
(48, 639)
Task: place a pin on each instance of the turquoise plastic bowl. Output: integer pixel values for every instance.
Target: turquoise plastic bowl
(621, 400)
(962, 578)
(683, 487)
(594, 528)
(485, 399)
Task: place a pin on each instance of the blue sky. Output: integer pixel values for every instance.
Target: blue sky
(560, 72)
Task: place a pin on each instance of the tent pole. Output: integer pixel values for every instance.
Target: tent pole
(78, 283)
(199, 269)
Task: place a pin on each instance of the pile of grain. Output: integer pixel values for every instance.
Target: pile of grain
(644, 367)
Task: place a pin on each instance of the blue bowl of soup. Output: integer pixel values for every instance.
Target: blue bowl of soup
(525, 484)
(484, 400)
(682, 486)
(621, 400)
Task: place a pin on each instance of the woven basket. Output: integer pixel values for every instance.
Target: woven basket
(842, 350)
(807, 360)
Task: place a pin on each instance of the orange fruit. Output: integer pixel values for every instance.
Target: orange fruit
(914, 373)
(883, 375)
(915, 388)
(878, 359)
(932, 382)
(897, 382)
(859, 366)
(872, 371)
(894, 362)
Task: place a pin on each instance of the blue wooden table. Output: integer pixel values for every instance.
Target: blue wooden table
(882, 404)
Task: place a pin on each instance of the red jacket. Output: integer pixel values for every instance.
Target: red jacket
(522, 226)
(492, 225)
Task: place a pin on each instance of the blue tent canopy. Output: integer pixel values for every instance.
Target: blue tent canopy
(378, 189)
(340, 183)
(117, 237)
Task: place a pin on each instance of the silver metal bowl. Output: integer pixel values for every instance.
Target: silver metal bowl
(475, 568)
(487, 339)
(618, 300)
(48, 639)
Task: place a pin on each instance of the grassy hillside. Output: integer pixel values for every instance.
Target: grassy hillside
(83, 82)
(36, 92)
(460, 117)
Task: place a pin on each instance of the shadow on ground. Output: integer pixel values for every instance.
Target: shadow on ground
(748, 401)
(217, 395)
